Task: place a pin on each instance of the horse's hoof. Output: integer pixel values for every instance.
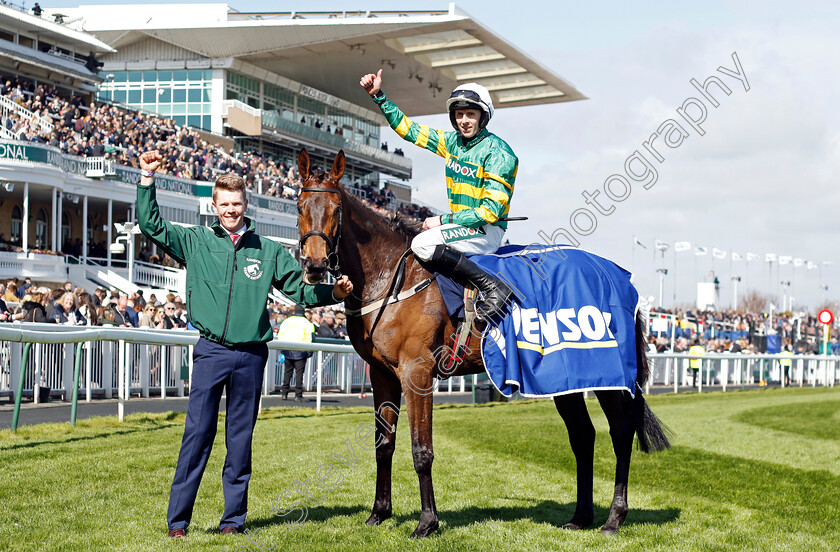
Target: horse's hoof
(609, 531)
(577, 524)
(572, 527)
(424, 531)
(376, 518)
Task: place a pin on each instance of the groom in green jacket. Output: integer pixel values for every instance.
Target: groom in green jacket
(230, 271)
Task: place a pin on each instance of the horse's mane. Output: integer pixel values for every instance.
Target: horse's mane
(394, 221)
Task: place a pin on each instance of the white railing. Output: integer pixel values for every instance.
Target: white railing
(735, 369)
(39, 266)
(145, 362)
(99, 167)
(252, 111)
(7, 105)
(160, 277)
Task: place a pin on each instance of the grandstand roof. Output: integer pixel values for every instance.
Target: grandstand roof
(424, 54)
(47, 29)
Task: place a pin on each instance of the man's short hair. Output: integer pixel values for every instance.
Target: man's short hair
(229, 182)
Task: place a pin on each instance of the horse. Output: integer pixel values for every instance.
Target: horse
(402, 341)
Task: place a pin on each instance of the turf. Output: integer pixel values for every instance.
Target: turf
(749, 470)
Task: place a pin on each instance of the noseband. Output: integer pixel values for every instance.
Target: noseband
(332, 255)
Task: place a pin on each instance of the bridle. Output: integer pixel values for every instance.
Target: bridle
(333, 266)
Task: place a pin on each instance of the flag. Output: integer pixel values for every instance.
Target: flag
(753, 257)
(798, 262)
(661, 245)
(679, 247)
(772, 307)
(737, 257)
(718, 253)
(699, 250)
(770, 258)
(828, 263)
(785, 259)
(637, 242)
(811, 265)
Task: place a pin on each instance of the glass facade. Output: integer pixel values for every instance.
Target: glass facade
(182, 94)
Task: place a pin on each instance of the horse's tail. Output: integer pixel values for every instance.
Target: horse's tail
(653, 435)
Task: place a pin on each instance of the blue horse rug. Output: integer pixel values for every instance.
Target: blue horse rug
(572, 328)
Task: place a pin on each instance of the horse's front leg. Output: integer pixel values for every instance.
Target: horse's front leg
(386, 401)
(418, 383)
(617, 407)
(572, 408)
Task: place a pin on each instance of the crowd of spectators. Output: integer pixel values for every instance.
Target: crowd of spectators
(24, 301)
(105, 130)
(727, 330)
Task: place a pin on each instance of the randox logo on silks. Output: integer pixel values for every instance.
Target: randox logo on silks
(253, 271)
(461, 171)
(461, 233)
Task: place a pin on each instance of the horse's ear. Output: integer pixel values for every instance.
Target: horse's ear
(337, 170)
(303, 164)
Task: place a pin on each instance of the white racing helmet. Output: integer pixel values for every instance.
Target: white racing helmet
(470, 96)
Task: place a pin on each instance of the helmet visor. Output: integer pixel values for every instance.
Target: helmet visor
(467, 95)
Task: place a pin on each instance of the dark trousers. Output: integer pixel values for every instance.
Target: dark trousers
(216, 368)
(297, 366)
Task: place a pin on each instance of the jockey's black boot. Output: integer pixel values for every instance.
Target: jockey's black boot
(497, 294)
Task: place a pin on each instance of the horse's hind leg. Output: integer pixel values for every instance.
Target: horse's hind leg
(386, 401)
(617, 407)
(572, 409)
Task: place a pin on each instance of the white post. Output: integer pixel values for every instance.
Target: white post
(109, 230)
(121, 380)
(164, 361)
(145, 370)
(24, 230)
(677, 365)
(318, 382)
(88, 367)
(724, 369)
(36, 383)
(58, 220)
(84, 229)
(700, 373)
(53, 239)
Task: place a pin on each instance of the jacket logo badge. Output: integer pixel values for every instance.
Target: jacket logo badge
(253, 271)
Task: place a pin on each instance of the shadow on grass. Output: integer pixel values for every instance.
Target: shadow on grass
(546, 511)
(320, 513)
(154, 425)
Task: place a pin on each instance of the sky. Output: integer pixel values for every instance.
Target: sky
(759, 179)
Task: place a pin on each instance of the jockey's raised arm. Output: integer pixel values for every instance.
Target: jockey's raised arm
(480, 173)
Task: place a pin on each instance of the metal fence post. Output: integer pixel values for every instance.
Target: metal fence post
(88, 367)
(320, 360)
(120, 381)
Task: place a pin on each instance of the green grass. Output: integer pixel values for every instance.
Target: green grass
(749, 470)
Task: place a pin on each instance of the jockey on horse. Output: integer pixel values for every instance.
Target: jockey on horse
(480, 173)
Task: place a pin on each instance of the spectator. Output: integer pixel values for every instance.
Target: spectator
(124, 316)
(146, 317)
(36, 10)
(33, 309)
(296, 329)
(325, 327)
(66, 312)
(87, 308)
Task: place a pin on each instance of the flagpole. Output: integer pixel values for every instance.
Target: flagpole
(730, 277)
(676, 282)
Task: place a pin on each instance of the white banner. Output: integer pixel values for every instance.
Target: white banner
(785, 259)
(679, 247)
(700, 250)
(718, 253)
(737, 257)
(770, 258)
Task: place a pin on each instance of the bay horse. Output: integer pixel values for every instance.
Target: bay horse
(403, 341)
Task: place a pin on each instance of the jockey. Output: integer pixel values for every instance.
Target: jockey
(480, 173)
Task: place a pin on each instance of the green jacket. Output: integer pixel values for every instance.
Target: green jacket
(227, 287)
(480, 173)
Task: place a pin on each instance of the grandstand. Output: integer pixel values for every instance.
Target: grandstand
(217, 90)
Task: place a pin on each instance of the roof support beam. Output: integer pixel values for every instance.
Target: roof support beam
(466, 60)
(500, 72)
(441, 45)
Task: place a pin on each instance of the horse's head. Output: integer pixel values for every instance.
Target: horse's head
(319, 218)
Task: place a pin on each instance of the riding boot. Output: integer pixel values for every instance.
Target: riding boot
(497, 293)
